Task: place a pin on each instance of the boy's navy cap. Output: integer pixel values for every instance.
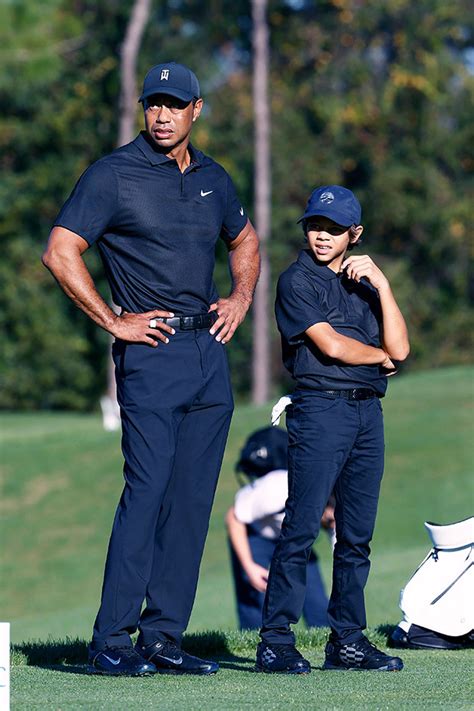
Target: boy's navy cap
(173, 79)
(337, 203)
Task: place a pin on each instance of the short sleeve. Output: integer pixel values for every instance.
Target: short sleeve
(235, 217)
(90, 209)
(265, 496)
(297, 307)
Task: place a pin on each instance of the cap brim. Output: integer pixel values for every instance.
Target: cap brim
(169, 91)
(339, 219)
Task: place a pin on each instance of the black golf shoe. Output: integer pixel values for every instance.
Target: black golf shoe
(361, 655)
(119, 661)
(168, 658)
(280, 659)
(421, 638)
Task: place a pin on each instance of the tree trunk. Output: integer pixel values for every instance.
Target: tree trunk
(262, 180)
(128, 64)
(128, 107)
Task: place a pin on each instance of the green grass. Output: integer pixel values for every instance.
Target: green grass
(62, 479)
(53, 676)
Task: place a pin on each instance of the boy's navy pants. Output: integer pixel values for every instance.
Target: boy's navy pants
(250, 600)
(176, 407)
(337, 444)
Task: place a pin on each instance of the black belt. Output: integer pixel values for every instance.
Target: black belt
(189, 323)
(354, 394)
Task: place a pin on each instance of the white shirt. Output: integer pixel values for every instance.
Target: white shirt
(261, 503)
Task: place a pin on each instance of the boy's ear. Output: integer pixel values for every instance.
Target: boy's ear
(356, 233)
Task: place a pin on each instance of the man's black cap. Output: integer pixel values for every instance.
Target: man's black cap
(173, 79)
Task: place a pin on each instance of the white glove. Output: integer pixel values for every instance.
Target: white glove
(280, 408)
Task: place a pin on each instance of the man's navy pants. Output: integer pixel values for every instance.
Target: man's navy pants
(176, 407)
(334, 443)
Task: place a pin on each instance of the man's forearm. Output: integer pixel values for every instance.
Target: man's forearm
(72, 275)
(245, 268)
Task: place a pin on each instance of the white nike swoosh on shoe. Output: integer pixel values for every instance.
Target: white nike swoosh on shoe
(173, 661)
(113, 661)
(203, 194)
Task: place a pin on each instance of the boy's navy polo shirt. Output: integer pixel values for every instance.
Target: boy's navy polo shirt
(310, 293)
(156, 228)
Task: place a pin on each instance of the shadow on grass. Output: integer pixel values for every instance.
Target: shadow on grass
(70, 655)
(52, 652)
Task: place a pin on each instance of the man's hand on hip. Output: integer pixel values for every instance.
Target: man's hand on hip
(143, 328)
(230, 314)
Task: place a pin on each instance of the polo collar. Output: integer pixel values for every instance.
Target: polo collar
(156, 157)
(307, 261)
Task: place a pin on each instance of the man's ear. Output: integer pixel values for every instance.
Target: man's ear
(197, 108)
(355, 234)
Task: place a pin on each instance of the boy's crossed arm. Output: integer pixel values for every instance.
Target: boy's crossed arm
(394, 334)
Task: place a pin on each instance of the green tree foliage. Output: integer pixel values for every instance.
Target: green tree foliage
(376, 96)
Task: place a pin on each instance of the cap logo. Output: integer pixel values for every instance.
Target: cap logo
(262, 453)
(327, 198)
(165, 74)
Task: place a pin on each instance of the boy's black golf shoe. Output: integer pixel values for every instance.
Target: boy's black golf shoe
(119, 661)
(168, 658)
(280, 658)
(361, 655)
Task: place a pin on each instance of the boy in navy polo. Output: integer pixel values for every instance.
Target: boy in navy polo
(342, 334)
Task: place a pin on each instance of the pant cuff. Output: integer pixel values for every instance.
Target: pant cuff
(119, 641)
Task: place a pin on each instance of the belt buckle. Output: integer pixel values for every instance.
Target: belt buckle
(186, 323)
(365, 394)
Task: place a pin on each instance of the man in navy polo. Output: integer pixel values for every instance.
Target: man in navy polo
(341, 332)
(156, 208)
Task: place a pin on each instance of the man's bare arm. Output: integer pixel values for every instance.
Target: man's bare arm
(63, 258)
(244, 261)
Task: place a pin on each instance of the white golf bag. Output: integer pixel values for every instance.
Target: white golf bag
(438, 600)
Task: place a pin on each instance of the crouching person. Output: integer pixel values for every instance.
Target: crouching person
(254, 524)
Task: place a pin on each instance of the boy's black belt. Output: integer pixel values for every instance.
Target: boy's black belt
(354, 394)
(189, 323)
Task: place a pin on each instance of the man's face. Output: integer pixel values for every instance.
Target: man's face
(168, 120)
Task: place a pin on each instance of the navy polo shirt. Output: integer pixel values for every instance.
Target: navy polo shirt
(310, 293)
(156, 228)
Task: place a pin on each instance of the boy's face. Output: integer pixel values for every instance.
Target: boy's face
(329, 241)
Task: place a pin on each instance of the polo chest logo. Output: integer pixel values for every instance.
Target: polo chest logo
(165, 74)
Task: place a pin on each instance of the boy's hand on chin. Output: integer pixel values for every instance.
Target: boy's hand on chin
(358, 266)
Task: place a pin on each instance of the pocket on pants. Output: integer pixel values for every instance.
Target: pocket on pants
(312, 403)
